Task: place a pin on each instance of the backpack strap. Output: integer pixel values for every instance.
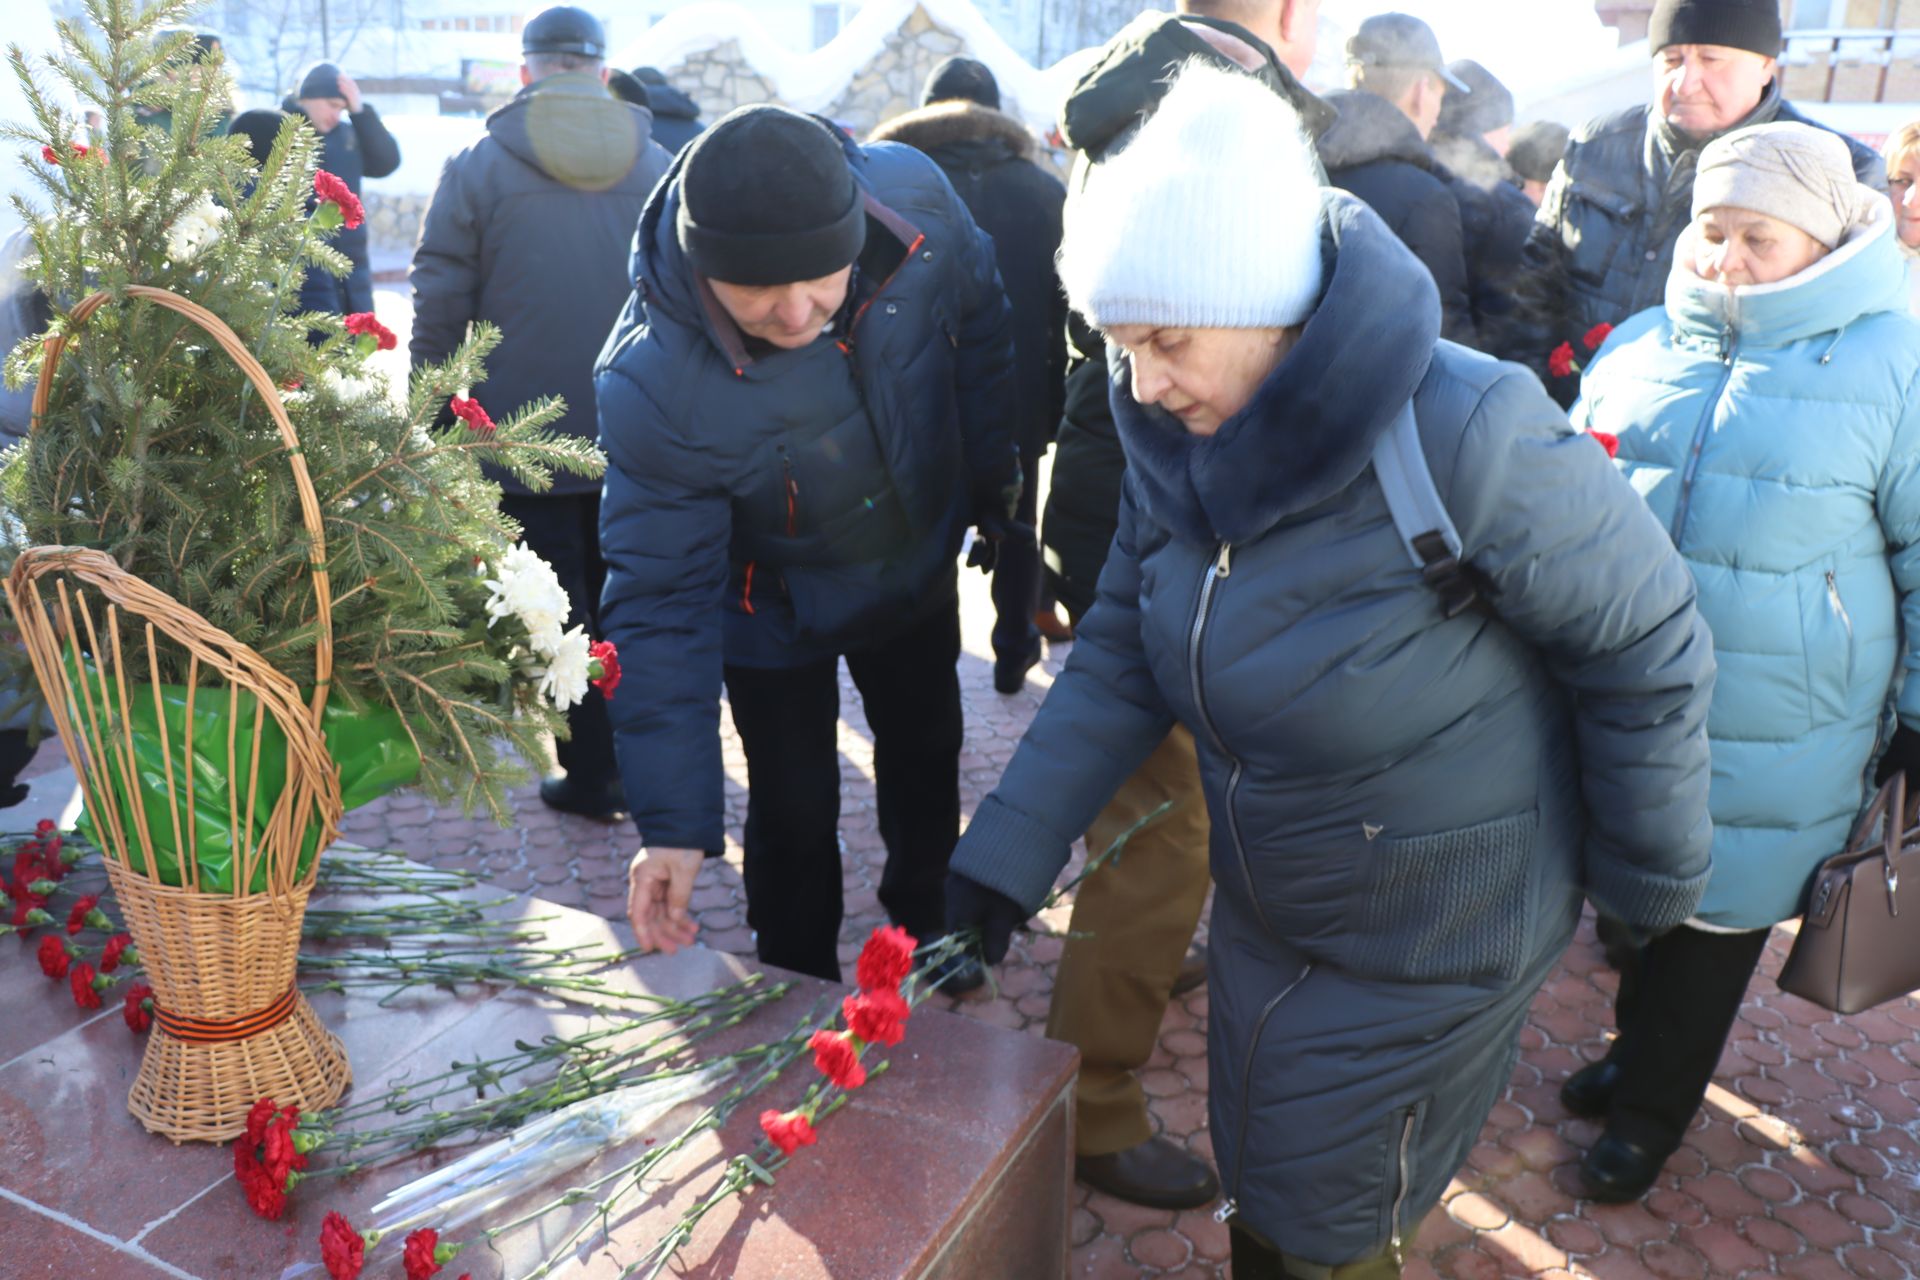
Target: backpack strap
(1426, 530)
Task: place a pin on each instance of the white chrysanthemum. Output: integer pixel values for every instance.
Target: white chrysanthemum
(526, 587)
(196, 228)
(347, 386)
(569, 668)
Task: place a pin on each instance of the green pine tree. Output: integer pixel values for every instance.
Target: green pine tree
(156, 449)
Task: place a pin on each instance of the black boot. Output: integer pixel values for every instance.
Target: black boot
(1617, 1170)
(604, 803)
(1589, 1091)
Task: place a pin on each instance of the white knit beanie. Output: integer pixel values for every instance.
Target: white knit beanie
(1208, 219)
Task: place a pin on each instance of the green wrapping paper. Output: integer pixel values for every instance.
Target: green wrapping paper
(371, 748)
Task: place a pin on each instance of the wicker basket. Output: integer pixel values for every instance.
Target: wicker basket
(230, 1025)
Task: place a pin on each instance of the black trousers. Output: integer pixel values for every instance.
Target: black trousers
(787, 719)
(1254, 1260)
(15, 755)
(1016, 573)
(564, 530)
(1676, 1006)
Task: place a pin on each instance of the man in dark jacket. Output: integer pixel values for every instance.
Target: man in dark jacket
(1603, 245)
(354, 145)
(529, 230)
(1131, 933)
(676, 118)
(988, 156)
(804, 405)
(1495, 214)
(1377, 149)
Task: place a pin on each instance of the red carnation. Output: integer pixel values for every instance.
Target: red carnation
(77, 918)
(332, 190)
(877, 1017)
(50, 155)
(834, 1055)
(364, 322)
(259, 1118)
(81, 980)
(1608, 441)
(264, 1196)
(279, 1154)
(44, 828)
(53, 957)
(138, 1009)
(886, 960)
(1560, 363)
(1597, 335)
(608, 657)
(342, 1249)
(117, 946)
(470, 412)
(788, 1131)
(424, 1255)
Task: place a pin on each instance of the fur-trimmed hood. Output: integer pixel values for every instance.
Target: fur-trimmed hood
(942, 124)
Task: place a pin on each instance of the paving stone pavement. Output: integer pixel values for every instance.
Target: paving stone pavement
(1805, 1162)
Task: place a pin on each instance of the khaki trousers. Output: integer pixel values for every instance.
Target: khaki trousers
(1140, 909)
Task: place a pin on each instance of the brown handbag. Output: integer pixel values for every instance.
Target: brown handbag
(1857, 948)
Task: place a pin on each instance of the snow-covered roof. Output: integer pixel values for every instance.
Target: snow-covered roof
(811, 81)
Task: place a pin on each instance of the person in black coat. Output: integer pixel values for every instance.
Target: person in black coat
(1377, 149)
(988, 156)
(1495, 214)
(529, 230)
(804, 406)
(676, 117)
(355, 145)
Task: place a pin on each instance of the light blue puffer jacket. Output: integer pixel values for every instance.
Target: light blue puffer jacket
(1775, 431)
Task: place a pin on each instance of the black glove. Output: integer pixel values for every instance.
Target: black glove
(1902, 756)
(971, 905)
(996, 528)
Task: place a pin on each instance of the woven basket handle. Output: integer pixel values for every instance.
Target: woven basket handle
(270, 396)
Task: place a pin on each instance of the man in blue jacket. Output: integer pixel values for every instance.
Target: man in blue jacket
(354, 145)
(804, 407)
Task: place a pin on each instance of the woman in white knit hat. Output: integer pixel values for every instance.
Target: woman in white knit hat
(1767, 415)
(1388, 751)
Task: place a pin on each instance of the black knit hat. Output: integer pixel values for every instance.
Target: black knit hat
(321, 80)
(1487, 105)
(259, 127)
(1537, 148)
(960, 77)
(767, 198)
(1737, 24)
(624, 87)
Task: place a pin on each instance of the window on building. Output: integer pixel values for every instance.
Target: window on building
(826, 23)
(1816, 15)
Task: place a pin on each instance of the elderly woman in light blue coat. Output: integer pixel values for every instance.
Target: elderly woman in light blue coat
(1768, 416)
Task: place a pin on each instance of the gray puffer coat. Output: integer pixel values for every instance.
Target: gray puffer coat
(1405, 807)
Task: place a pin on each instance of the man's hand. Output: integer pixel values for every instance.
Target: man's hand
(659, 886)
(350, 91)
(971, 905)
(996, 529)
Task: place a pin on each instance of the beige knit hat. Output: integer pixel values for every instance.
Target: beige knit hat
(1794, 172)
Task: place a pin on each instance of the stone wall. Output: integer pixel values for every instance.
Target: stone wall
(719, 78)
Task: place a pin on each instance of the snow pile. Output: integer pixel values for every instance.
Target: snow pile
(812, 81)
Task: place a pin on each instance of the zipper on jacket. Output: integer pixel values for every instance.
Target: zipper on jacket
(1728, 344)
(1400, 1193)
(1222, 566)
(793, 495)
(1839, 605)
(1232, 1205)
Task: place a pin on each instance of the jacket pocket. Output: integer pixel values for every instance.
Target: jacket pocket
(1602, 219)
(1448, 907)
(1827, 645)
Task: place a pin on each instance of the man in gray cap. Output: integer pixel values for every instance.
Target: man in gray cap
(354, 145)
(1602, 246)
(804, 405)
(529, 231)
(1377, 149)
